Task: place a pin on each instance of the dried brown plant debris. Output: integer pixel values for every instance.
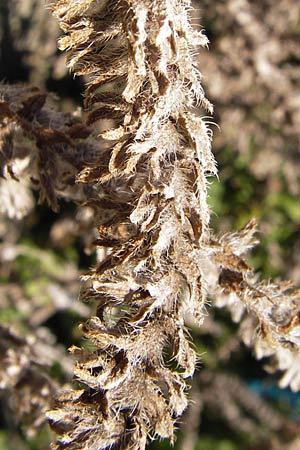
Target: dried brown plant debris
(39, 147)
(268, 312)
(254, 62)
(252, 74)
(28, 48)
(25, 381)
(33, 365)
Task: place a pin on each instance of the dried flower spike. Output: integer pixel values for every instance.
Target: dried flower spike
(148, 192)
(150, 179)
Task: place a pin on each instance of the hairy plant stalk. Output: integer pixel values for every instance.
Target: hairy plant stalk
(151, 185)
(148, 191)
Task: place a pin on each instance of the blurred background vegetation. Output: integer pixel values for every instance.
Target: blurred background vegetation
(251, 74)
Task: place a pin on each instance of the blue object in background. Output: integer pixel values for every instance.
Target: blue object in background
(272, 391)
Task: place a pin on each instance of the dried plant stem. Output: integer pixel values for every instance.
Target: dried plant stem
(151, 182)
(148, 191)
